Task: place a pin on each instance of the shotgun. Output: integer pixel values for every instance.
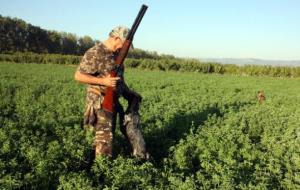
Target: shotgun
(109, 101)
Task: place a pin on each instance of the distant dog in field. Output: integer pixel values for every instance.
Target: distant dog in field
(261, 96)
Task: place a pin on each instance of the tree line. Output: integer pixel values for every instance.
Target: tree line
(18, 36)
(21, 42)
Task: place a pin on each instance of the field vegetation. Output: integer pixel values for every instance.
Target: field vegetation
(204, 131)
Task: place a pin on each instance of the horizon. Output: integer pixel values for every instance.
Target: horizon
(228, 30)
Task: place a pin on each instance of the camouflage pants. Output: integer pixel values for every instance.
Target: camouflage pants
(104, 124)
(104, 131)
(130, 128)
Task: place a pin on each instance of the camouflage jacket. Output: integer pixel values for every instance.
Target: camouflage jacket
(99, 61)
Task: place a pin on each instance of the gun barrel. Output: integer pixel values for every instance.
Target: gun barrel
(136, 23)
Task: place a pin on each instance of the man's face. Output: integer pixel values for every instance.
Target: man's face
(119, 42)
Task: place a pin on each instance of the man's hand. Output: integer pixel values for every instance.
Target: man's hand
(110, 81)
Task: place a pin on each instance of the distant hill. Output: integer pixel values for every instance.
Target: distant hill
(252, 61)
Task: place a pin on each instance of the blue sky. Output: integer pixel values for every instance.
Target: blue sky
(265, 29)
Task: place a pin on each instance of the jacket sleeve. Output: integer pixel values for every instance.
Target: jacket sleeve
(88, 64)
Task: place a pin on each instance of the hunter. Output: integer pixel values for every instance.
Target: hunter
(94, 70)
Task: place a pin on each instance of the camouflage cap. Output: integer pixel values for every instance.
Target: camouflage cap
(121, 32)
